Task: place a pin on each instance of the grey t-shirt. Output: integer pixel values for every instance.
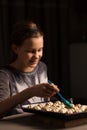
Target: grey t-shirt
(13, 81)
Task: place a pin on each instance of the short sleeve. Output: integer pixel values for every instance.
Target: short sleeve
(4, 85)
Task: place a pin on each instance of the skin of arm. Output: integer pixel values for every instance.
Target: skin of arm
(40, 90)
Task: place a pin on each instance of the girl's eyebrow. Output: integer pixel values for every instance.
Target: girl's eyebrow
(30, 49)
(34, 48)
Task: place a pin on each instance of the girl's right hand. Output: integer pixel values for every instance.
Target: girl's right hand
(45, 90)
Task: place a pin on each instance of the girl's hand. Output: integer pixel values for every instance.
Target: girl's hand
(45, 90)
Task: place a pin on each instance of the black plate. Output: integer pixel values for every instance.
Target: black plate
(56, 114)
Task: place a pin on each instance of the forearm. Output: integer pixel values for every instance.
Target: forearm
(11, 102)
(41, 90)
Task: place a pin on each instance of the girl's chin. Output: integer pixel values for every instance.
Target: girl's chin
(33, 65)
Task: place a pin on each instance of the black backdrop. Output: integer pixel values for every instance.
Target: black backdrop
(63, 22)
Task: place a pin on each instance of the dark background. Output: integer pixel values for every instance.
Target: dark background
(64, 23)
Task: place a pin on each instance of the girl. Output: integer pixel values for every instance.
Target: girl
(24, 79)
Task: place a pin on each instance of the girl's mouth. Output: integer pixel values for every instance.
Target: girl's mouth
(34, 62)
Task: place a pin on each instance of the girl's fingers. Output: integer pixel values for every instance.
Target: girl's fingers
(53, 87)
(48, 91)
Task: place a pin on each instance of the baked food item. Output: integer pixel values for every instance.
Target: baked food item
(59, 107)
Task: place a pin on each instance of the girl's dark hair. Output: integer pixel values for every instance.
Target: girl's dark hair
(21, 31)
(24, 30)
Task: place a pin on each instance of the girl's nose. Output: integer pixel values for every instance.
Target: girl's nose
(36, 54)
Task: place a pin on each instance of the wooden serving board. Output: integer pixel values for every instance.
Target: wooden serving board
(60, 123)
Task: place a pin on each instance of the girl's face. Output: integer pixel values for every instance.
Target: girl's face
(30, 52)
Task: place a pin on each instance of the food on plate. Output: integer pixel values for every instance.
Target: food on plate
(58, 107)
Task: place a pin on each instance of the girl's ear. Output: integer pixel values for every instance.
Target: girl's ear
(14, 48)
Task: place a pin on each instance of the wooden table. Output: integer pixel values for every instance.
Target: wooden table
(29, 121)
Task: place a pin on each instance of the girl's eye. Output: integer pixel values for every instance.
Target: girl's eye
(34, 51)
(40, 49)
